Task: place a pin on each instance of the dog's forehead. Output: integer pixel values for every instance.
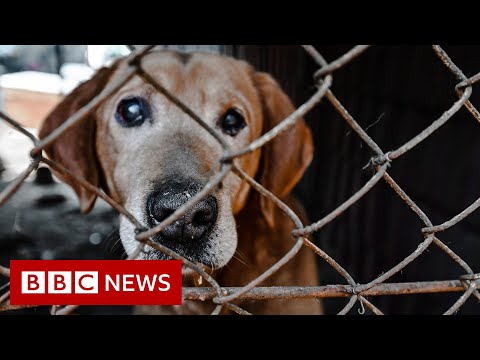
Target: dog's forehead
(186, 72)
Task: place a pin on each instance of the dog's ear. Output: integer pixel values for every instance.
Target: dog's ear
(285, 158)
(75, 148)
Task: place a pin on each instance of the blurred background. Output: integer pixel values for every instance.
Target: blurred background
(393, 91)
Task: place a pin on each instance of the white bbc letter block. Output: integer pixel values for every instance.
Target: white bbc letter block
(59, 282)
(33, 282)
(86, 282)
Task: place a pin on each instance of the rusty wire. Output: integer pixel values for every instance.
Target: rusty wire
(468, 284)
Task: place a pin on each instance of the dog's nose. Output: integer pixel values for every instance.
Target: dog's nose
(193, 225)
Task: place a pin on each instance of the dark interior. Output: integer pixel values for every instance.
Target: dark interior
(395, 92)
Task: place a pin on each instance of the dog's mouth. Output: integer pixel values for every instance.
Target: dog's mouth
(200, 258)
(190, 274)
(154, 254)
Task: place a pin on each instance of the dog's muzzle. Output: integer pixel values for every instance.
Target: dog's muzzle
(194, 227)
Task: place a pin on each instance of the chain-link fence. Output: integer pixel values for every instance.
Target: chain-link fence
(467, 285)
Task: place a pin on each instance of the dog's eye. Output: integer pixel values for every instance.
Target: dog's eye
(132, 112)
(232, 122)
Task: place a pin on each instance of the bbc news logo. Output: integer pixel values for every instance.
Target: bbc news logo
(95, 282)
(59, 282)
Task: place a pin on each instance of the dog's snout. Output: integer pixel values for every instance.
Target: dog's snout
(194, 225)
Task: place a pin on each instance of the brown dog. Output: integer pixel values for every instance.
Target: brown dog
(151, 157)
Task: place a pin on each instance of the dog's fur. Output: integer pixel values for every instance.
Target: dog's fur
(250, 233)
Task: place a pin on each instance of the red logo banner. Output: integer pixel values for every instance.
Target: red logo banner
(95, 282)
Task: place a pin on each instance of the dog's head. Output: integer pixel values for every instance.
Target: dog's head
(148, 155)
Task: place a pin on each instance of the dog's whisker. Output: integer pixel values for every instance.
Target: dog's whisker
(240, 260)
(114, 235)
(213, 266)
(241, 254)
(116, 245)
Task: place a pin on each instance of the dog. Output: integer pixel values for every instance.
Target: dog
(149, 156)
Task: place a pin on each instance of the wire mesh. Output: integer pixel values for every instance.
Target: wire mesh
(467, 284)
